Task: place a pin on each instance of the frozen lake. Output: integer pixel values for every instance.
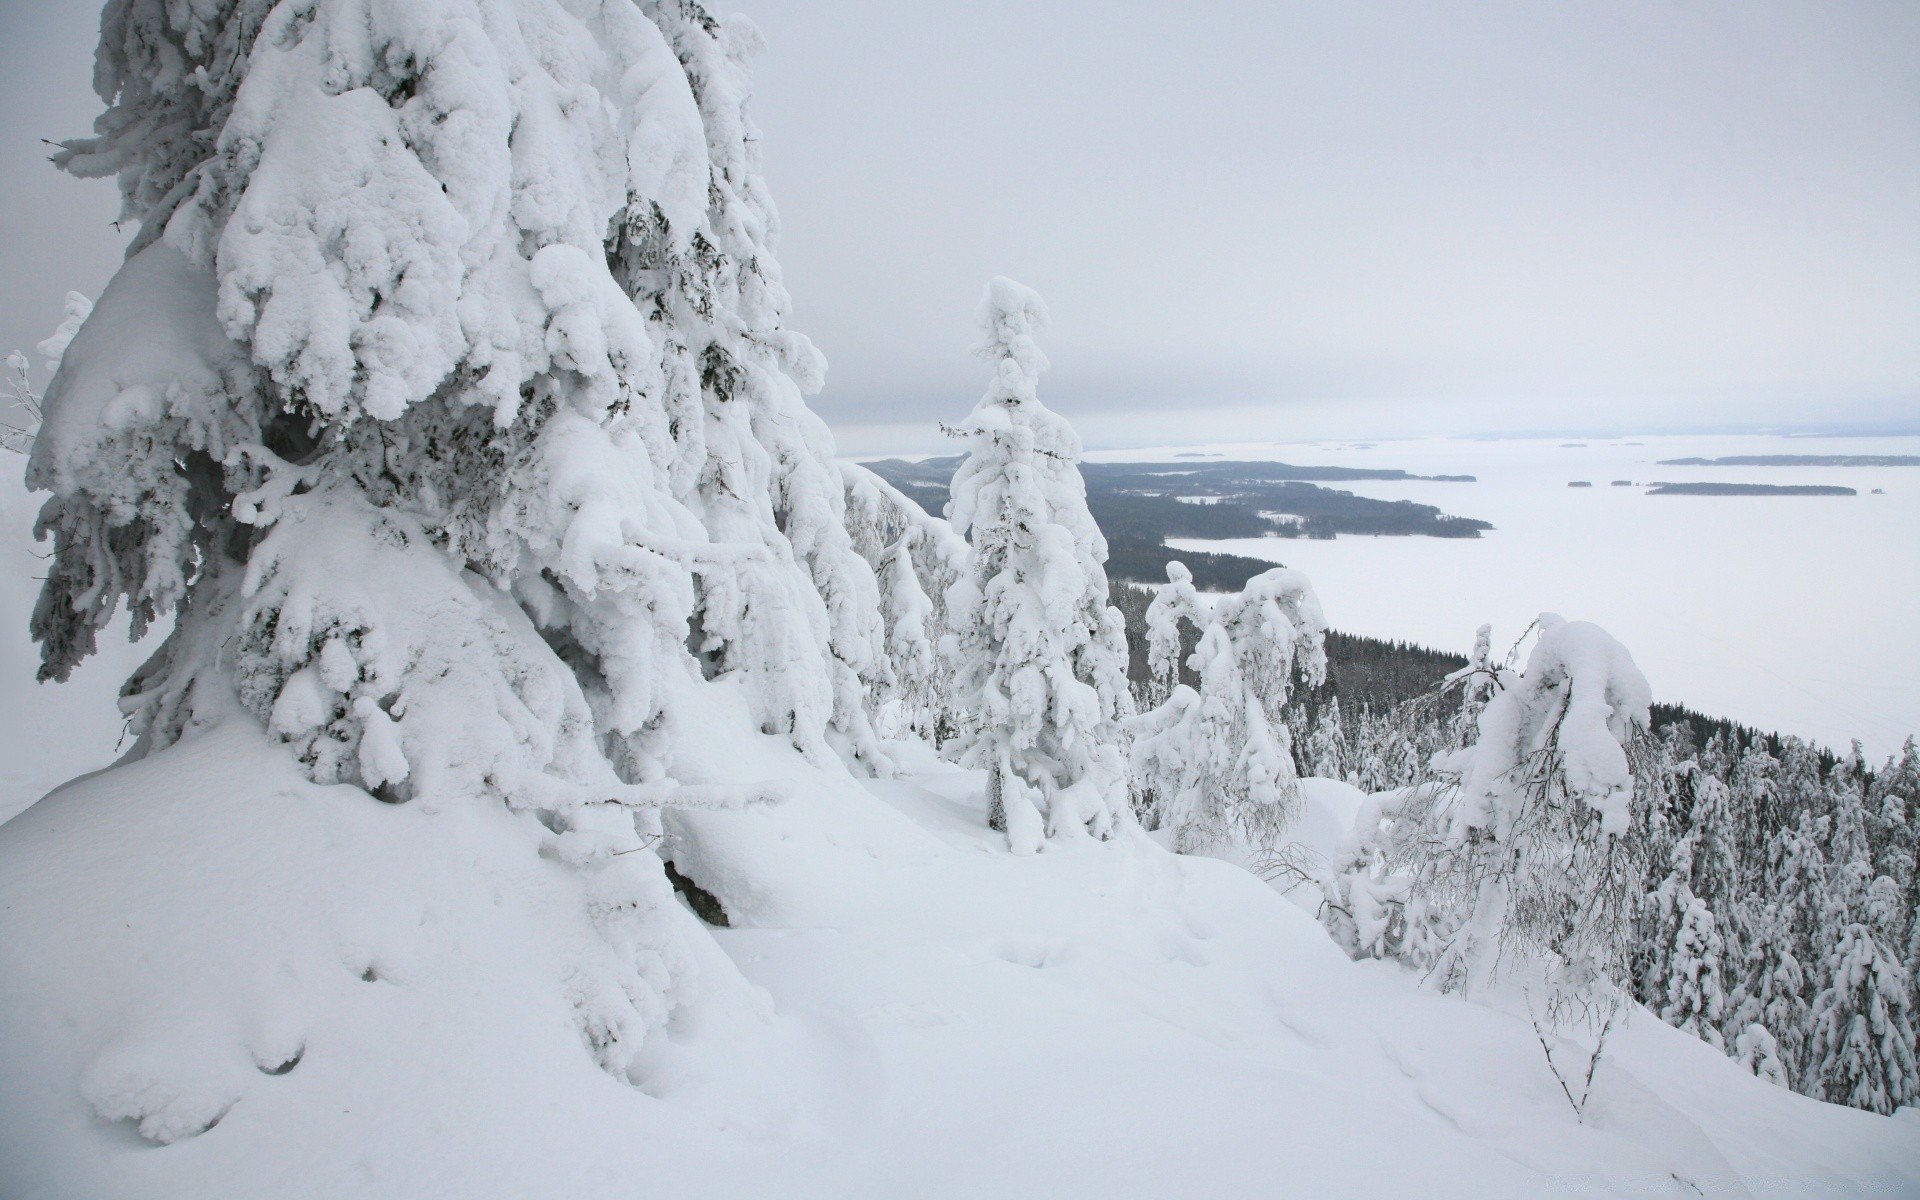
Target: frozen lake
(1794, 613)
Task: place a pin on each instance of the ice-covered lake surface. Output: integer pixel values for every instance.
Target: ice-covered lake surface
(1794, 613)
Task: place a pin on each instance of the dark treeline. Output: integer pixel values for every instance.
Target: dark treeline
(1143, 560)
(1748, 489)
(1798, 460)
(1140, 505)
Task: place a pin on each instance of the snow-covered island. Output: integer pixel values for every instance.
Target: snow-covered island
(557, 773)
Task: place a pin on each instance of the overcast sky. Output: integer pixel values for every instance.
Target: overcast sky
(1271, 220)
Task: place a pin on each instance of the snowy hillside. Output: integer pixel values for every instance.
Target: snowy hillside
(556, 773)
(903, 1008)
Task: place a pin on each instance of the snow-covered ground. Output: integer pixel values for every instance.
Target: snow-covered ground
(1792, 613)
(903, 1008)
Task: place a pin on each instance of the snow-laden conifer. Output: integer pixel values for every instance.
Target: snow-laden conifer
(1862, 1050)
(916, 557)
(1755, 1049)
(444, 398)
(1040, 656)
(1174, 602)
(1695, 997)
(1325, 754)
(1217, 759)
(753, 462)
(1783, 938)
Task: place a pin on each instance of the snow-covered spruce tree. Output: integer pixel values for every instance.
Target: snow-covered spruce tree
(1040, 656)
(1755, 1049)
(1893, 808)
(442, 397)
(1218, 758)
(916, 557)
(1537, 850)
(1782, 940)
(751, 460)
(1325, 752)
(1862, 1050)
(1174, 602)
(1692, 928)
(1695, 998)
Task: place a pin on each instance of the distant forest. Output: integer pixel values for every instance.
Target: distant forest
(1140, 505)
(1749, 489)
(1798, 460)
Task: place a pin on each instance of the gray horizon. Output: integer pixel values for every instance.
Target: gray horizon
(1280, 221)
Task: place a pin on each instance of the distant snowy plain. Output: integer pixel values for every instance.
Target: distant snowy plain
(1791, 613)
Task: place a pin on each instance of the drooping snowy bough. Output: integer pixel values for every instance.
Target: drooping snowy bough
(1040, 656)
(446, 402)
(1215, 763)
(1532, 861)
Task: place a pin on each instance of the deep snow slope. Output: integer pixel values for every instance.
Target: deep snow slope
(902, 1008)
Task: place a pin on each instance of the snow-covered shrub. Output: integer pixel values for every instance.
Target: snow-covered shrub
(1533, 854)
(1040, 656)
(445, 399)
(1215, 763)
(1755, 1049)
(21, 425)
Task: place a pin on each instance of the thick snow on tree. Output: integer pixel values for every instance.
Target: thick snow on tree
(1325, 752)
(445, 399)
(1696, 998)
(1755, 1049)
(1862, 1051)
(1217, 760)
(762, 465)
(1173, 602)
(1784, 943)
(1040, 655)
(1535, 847)
(916, 557)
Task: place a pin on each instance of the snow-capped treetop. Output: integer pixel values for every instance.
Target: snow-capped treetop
(1278, 629)
(1173, 601)
(1010, 314)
